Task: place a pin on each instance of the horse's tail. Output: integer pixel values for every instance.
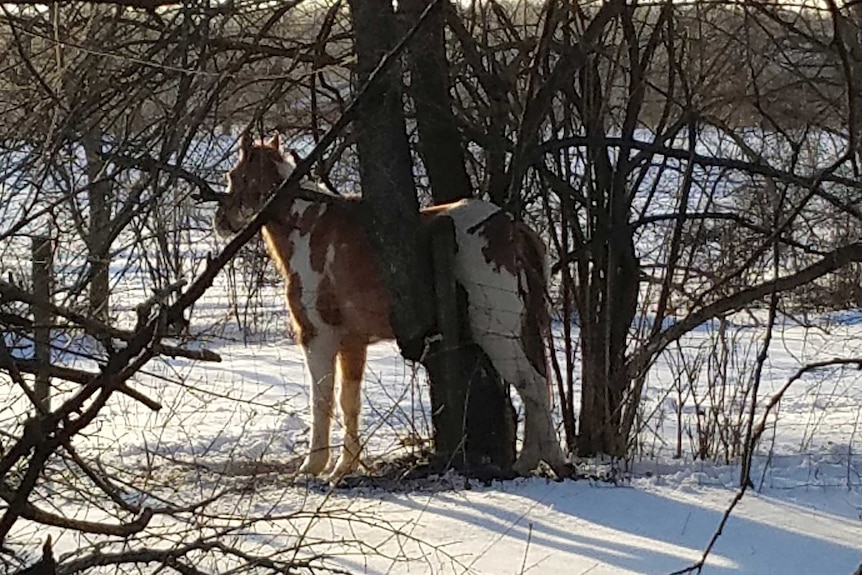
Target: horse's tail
(536, 328)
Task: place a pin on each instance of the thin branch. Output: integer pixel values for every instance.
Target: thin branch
(831, 262)
(32, 513)
(96, 328)
(755, 438)
(148, 5)
(79, 376)
(206, 192)
(755, 168)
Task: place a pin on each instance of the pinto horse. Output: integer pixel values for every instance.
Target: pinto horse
(339, 303)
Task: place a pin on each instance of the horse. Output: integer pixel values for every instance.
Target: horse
(339, 304)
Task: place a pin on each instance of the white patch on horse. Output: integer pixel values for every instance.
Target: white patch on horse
(321, 188)
(497, 312)
(330, 256)
(321, 349)
(297, 208)
(495, 305)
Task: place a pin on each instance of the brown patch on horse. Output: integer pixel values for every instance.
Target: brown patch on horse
(323, 225)
(307, 220)
(500, 233)
(302, 325)
(351, 359)
(529, 252)
(354, 271)
(325, 233)
(327, 302)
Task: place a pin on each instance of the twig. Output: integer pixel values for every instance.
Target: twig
(756, 168)
(45, 566)
(830, 262)
(749, 444)
(69, 374)
(32, 513)
(159, 297)
(755, 438)
(527, 548)
(10, 292)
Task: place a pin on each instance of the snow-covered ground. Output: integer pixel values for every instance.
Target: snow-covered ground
(244, 422)
(240, 427)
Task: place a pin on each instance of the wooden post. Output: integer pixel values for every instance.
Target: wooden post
(473, 418)
(43, 318)
(449, 392)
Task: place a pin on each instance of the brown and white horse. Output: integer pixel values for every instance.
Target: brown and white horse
(339, 304)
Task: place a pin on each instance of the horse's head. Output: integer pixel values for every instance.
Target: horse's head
(261, 169)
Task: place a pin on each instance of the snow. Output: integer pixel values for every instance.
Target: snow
(245, 420)
(240, 428)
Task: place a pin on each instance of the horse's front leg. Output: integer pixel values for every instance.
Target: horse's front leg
(351, 365)
(320, 359)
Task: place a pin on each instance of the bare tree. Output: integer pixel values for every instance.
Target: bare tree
(653, 141)
(635, 125)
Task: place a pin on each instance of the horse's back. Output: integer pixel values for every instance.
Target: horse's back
(500, 263)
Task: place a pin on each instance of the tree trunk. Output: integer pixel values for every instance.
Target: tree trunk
(472, 414)
(482, 437)
(440, 142)
(43, 318)
(609, 299)
(99, 231)
(485, 426)
(385, 169)
(607, 288)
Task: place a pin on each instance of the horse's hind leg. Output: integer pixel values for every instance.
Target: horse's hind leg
(540, 437)
(351, 365)
(320, 358)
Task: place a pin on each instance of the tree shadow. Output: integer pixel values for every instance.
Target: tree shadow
(577, 525)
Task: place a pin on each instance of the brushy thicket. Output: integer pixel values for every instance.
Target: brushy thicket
(685, 162)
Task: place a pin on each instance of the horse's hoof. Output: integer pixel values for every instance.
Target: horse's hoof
(525, 464)
(560, 466)
(314, 463)
(344, 467)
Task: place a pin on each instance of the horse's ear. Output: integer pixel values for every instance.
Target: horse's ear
(245, 145)
(275, 143)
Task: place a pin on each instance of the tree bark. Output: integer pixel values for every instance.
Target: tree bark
(440, 143)
(99, 231)
(607, 289)
(473, 418)
(607, 306)
(472, 414)
(385, 169)
(43, 318)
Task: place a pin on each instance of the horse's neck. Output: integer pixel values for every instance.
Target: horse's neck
(302, 213)
(317, 187)
(293, 210)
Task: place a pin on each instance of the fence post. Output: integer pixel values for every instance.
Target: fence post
(43, 318)
(474, 422)
(449, 392)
